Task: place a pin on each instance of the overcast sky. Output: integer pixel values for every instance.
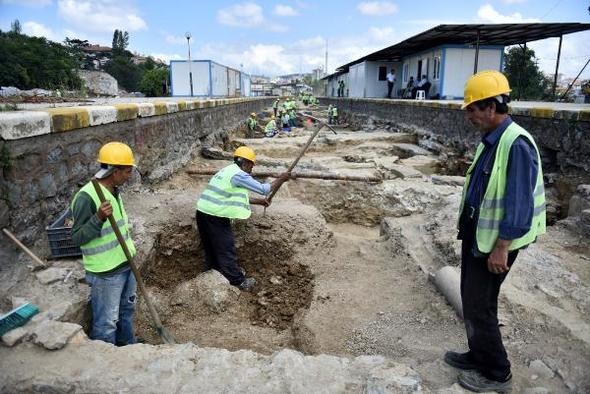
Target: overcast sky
(280, 37)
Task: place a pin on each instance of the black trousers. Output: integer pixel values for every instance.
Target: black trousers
(218, 241)
(389, 88)
(479, 293)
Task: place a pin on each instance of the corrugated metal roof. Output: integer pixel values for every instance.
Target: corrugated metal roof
(497, 34)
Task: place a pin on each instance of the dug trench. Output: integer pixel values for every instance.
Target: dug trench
(343, 268)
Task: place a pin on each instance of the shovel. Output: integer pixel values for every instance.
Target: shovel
(162, 331)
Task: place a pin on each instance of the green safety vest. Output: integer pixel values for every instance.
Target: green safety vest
(276, 104)
(491, 210)
(270, 126)
(251, 123)
(220, 198)
(334, 111)
(105, 253)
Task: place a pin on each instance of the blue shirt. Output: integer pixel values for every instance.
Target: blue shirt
(245, 180)
(521, 179)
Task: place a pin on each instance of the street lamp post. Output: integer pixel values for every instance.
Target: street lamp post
(190, 72)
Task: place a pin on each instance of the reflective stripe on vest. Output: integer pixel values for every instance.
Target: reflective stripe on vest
(104, 252)
(491, 211)
(220, 198)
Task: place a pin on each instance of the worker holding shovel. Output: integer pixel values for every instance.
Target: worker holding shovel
(113, 284)
(226, 198)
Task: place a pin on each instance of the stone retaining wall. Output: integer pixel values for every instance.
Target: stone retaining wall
(561, 132)
(45, 156)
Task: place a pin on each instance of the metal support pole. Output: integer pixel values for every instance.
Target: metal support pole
(190, 71)
(520, 71)
(556, 67)
(476, 54)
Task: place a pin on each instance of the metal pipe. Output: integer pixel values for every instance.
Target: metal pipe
(476, 53)
(190, 71)
(556, 67)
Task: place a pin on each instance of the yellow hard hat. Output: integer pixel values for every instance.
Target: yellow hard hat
(253, 114)
(483, 85)
(116, 154)
(272, 116)
(246, 152)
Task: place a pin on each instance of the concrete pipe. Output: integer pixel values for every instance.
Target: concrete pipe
(448, 281)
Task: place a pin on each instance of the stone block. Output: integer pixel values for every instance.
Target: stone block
(101, 114)
(51, 275)
(54, 335)
(580, 201)
(542, 112)
(68, 118)
(182, 105)
(160, 108)
(24, 124)
(539, 368)
(126, 111)
(171, 107)
(15, 336)
(448, 180)
(211, 288)
(146, 109)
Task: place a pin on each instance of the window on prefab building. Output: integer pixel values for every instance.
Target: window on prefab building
(436, 70)
(382, 73)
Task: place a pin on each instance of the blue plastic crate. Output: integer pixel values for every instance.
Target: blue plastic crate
(60, 238)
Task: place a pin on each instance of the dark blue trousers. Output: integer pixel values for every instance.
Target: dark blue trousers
(218, 241)
(479, 293)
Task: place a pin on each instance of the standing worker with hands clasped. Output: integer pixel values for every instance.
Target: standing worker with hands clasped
(113, 287)
(225, 198)
(502, 211)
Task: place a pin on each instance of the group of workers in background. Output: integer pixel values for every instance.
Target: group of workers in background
(502, 211)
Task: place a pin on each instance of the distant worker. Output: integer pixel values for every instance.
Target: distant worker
(271, 127)
(335, 115)
(226, 198)
(390, 82)
(502, 211)
(275, 106)
(329, 112)
(285, 121)
(251, 123)
(112, 283)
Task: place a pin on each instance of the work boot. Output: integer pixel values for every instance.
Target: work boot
(460, 360)
(475, 381)
(247, 284)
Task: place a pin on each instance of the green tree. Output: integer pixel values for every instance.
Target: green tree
(15, 27)
(154, 81)
(125, 72)
(120, 42)
(34, 62)
(524, 76)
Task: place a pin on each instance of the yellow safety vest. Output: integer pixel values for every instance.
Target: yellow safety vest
(105, 253)
(491, 211)
(220, 198)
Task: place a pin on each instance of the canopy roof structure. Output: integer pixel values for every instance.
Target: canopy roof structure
(504, 34)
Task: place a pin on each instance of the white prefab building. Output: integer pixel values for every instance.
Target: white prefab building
(209, 79)
(446, 68)
(447, 55)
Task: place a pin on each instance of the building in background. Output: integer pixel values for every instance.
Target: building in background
(446, 54)
(210, 79)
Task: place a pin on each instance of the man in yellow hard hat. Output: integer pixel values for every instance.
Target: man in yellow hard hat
(226, 198)
(502, 211)
(113, 287)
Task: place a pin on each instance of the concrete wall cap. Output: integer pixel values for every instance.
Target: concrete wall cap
(23, 124)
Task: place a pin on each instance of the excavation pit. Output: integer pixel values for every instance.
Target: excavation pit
(200, 306)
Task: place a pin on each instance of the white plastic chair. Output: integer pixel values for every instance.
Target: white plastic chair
(420, 95)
